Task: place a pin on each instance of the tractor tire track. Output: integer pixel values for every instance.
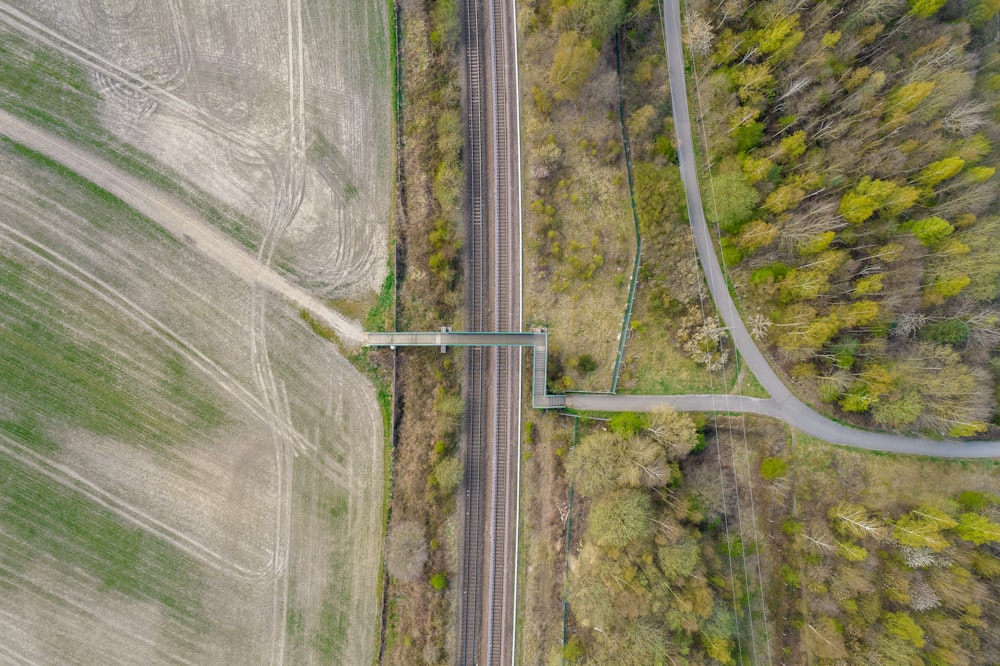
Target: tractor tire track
(249, 400)
(21, 22)
(178, 220)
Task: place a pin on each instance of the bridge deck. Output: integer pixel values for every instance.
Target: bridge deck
(540, 399)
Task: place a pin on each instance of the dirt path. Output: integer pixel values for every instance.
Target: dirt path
(178, 219)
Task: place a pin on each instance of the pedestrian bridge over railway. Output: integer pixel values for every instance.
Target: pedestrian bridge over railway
(537, 340)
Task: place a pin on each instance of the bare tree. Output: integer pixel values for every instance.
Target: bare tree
(759, 324)
(908, 323)
(966, 119)
(698, 35)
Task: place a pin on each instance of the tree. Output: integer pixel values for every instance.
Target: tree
(856, 207)
(572, 63)
(823, 640)
(717, 635)
(854, 521)
(903, 626)
(698, 35)
(946, 287)
(598, 18)
(977, 528)
(406, 551)
(922, 529)
(792, 146)
(674, 431)
(851, 552)
(784, 198)
(871, 195)
(735, 200)
(906, 98)
(935, 172)
(755, 235)
(678, 560)
(898, 412)
(869, 285)
(754, 82)
(930, 230)
(620, 517)
(593, 465)
(980, 266)
(925, 8)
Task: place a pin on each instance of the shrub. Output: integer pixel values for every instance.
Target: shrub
(772, 468)
(586, 364)
(438, 581)
(447, 474)
(627, 424)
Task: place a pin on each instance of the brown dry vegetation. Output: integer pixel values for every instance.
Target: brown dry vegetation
(667, 350)
(579, 235)
(542, 547)
(426, 469)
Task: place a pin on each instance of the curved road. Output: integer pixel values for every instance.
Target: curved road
(782, 404)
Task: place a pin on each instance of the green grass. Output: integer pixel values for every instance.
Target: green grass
(42, 519)
(380, 317)
(106, 212)
(330, 639)
(318, 327)
(666, 370)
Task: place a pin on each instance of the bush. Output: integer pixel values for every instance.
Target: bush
(573, 649)
(438, 581)
(748, 136)
(627, 424)
(735, 200)
(447, 474)
(586, 364)
(772, 272)
(772, 468)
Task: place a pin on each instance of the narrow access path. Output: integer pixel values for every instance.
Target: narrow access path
(782, 404)
(177, 218)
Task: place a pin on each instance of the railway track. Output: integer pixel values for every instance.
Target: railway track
(506, 361)
(476, 393)
(493, 376)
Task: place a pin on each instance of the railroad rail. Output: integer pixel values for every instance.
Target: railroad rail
(476, 390)
(493, 376)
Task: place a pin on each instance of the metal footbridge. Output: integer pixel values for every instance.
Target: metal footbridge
(537, 340)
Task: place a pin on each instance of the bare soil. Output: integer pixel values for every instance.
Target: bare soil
(248, 453)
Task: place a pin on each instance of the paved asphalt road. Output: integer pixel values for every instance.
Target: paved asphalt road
(782, 404)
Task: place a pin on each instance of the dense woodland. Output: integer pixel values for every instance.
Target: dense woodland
(851, 148)
(852, 175)
(646, 586)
